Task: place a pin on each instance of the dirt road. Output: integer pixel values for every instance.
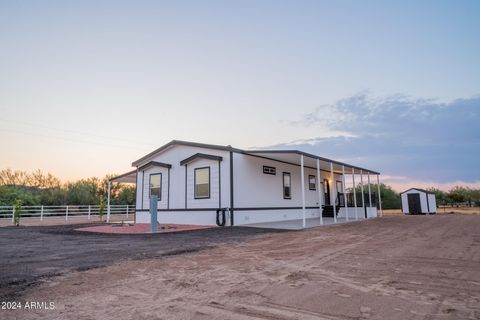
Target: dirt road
(398, 267)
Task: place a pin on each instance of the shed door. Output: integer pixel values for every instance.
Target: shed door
(414, 203)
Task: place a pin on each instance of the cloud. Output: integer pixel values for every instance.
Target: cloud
(419, 139)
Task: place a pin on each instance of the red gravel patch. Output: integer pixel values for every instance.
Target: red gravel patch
(142, 228)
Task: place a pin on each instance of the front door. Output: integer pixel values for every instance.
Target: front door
(414, 203)
(326, 187)
(340, 198)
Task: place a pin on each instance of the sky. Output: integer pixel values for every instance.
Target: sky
(87, 87)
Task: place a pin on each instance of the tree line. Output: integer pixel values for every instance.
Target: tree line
(38, 188)
(456, 196)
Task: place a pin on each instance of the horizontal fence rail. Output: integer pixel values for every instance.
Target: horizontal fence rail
(44, 212)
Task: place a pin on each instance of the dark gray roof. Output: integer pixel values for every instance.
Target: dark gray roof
(418, 189)
(185, 143)
(202, 156)
(230, 148)
(306, 154)
(155, 164)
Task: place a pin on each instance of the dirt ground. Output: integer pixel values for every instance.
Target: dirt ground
(396, 267)
(29, 254)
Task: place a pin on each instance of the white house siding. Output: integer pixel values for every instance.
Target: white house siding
(213, 201)
(252, 189)
(432, 202)
(371, 212)
(139, 190)
(163, 203)
(173, 156)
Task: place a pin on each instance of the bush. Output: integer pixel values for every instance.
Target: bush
(17, 212)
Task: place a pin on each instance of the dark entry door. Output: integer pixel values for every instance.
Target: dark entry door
(414, 203)
(326, 187)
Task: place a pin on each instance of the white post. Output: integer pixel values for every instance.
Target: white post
(13, 214)
(127, 211)
(108, 200)
(354, 194)
(319, 192)
(332, 187)
(89, 211)
(302, 172)
(369, 193)
(379, 197)
(66, 214)
(363, 194)
(41, 213)
(344, 192)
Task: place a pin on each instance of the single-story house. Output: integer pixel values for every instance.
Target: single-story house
(418, 201)
(195, 183)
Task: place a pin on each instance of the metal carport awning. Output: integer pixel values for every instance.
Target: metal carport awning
(307, 160)
(129, 177)
(310, 160)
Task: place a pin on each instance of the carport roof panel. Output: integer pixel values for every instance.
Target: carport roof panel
(310, 160)
(129, 177)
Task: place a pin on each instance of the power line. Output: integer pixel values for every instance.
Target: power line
(75, 132)
(72, 139)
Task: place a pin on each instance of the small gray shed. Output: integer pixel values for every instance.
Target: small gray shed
(418, 201)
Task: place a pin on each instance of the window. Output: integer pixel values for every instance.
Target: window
(202, 183)
(156, 185)
(339, 187)
(287, 186)
(269, 170)
(312, 183)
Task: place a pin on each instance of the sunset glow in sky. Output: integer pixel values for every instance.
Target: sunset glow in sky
(87, 87)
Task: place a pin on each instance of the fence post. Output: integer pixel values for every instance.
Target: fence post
(66, 214)
(13, 214)
(89, 211)
(127, 211)
(41, 214)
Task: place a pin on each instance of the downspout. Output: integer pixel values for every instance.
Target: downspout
(231, 189)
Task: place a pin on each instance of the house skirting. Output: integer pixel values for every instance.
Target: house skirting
(243, 216)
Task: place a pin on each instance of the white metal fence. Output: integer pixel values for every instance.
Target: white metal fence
(44, 212)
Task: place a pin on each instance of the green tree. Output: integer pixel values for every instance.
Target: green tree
(390, 198)
(28, 195)
(440, 196)
(82, 192)
(458, 195)
(126, 195)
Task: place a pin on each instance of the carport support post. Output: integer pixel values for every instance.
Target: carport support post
(363, 194)
(344, 192)
(153, 214)
(369, 192)
(354, 193)
(379, 196)
(332, 187)
(108, 200)
(302, 169)
(319, 192)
